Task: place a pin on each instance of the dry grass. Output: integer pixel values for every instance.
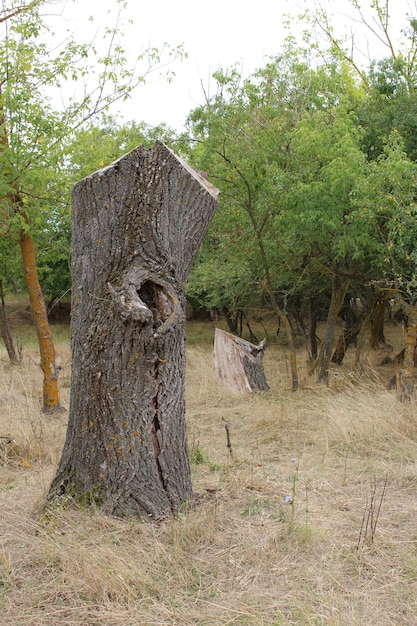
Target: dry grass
(245, 555)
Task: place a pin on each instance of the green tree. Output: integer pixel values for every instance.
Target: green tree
(283, 147)
(236, 136)
(315, 221)
(389, 82)
(387, 210)
(35, 138)
(387, 115)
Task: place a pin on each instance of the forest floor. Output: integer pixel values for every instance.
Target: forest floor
(312, 521)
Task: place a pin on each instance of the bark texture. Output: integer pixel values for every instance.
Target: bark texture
(238, 362)
(137, 227)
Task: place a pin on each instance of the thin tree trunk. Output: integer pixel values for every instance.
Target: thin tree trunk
(312, 313)
(349, 335)
(339, 288)
(407, 377)
(289, 333)
(137, 227)
(231, 321)
(50, 391)
(258, 230)
(5, 330)
(377, 329)
(291, 345)
(293, 354)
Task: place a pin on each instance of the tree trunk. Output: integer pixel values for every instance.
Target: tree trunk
(137, 226)
(347, 337)
(291, 343)
(339, 288)
(283, 318)
(312, 313)
(238, 362)
(406, 377)
(377, 328)
(351, 330)
(293, 354)
(234, 321)
(50, 391)
(5, 330)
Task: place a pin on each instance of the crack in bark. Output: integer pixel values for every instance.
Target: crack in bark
(156, 429)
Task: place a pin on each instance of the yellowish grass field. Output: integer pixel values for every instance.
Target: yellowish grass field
(296, 528)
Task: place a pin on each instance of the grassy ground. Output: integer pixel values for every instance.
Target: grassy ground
(313, 520)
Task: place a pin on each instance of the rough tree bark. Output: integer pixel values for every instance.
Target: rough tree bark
(137, 227)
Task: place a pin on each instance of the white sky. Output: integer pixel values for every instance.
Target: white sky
(216, 34)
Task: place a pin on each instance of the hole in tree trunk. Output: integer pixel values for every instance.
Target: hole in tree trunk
(157, 300)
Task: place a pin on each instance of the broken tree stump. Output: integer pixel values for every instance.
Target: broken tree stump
(137, 226)
(239, 363)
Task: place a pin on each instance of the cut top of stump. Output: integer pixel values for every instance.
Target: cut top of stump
(149, 201)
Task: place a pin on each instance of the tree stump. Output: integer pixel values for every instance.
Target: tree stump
(239, 363)
(137, 226)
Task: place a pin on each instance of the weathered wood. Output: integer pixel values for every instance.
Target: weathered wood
(239, 363)
(137, 227)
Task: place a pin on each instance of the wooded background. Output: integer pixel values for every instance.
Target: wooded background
(314, 155)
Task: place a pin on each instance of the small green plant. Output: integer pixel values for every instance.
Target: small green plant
(252, 509)
(256, 506)
(197, 455)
